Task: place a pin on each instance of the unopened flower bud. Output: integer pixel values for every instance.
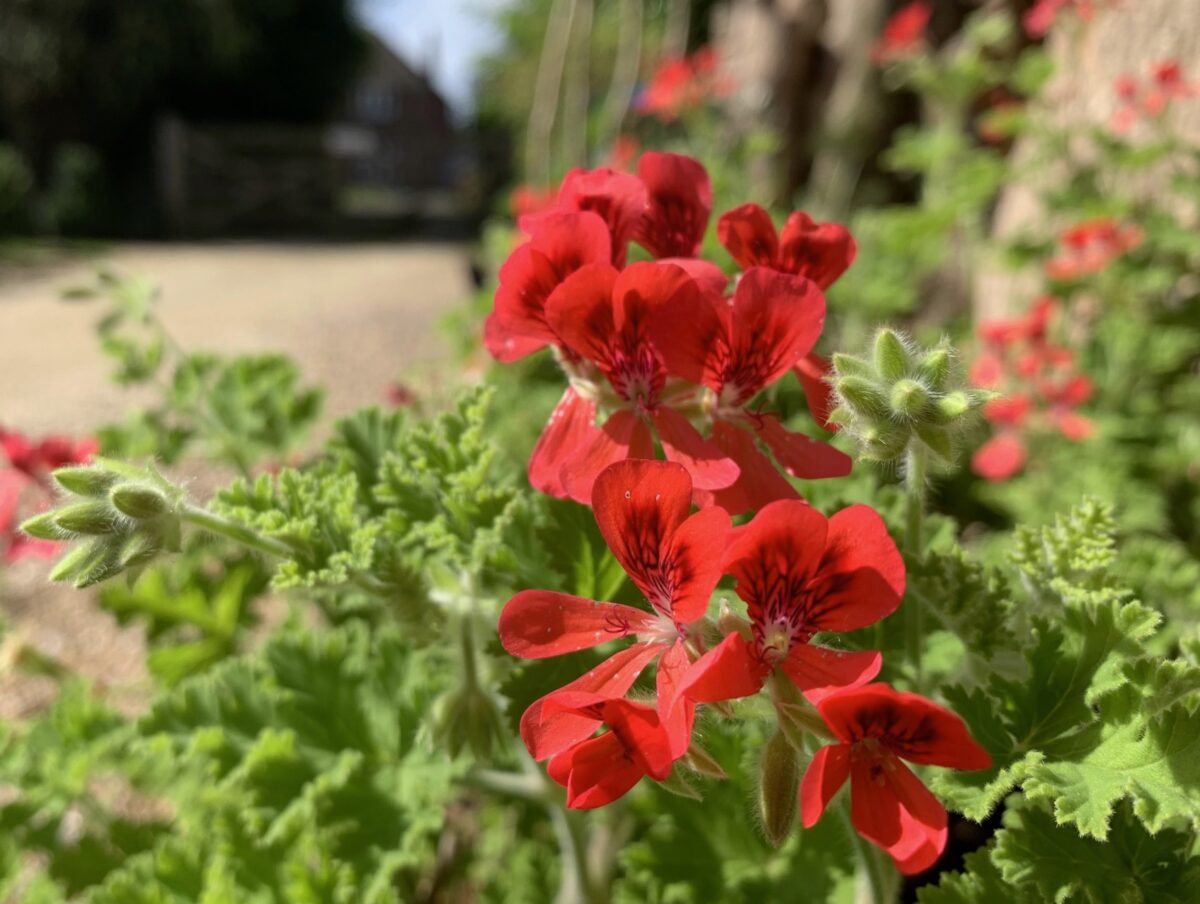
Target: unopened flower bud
(700, 760)
(680, 786)
(91, 518)
(138, 501)
(779, 783)
(892, 361)
(909, 399)
(934, 367)
(862, 397)
(850, 366)
(43, 527)
(85, 480)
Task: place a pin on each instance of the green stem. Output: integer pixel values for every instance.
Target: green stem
(915, 476)
(232, 530)
(881, 876)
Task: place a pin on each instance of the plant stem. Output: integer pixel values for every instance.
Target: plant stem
(238, 533)
(880, 874)
(915, 466)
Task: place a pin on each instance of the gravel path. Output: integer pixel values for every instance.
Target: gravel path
(355, 317)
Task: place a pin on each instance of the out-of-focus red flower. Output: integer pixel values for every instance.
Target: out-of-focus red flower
(682, 84)
(527, 200)
(25, 486)
(821, 252)
(603, 316)
(679, 203)
(904, 34)
(1089, 247)
(1041, 389)
(736, 348)
(801, 574)
(673, 558)
(400, 395)
(876, 728)
(1045, 13)
(598, 770)
(1150, 97)
(623, 152)
(36, 459)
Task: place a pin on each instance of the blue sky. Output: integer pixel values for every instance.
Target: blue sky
(446, 36)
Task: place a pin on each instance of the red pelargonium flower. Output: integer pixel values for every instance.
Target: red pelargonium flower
(603, 316)
(681, 84)
(563, 242)
(1151, 98)
(801, 573)
(680, 203)
(1089, 247)
(904, 34)
(673, 558)
(14, 544)
(619, 199)
(526, 200)
(819, 251)
(599, 770)
(736, 348)
(1041, 18)
(622, 153)
(36, 459)
(1000, 458)
(877, 728)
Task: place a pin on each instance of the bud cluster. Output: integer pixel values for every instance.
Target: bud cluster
(903, 394)
(120, 516)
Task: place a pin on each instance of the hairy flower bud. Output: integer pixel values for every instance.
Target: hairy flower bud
(85, 480)
(91, 518)
(905, 396)
(138, 502)
(779, 782)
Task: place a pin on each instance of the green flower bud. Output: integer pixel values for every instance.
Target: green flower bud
(934, 367)
(73, 562)
(910, 400)
(938, 440)
(892, 361)
(779, 783)
(952, 406)
(91, 518)
(85, 480)
(862, 397)
(138, 550)
(850, 366)
(680, 786)
(101, 567)
(43, 527)
(138, 501)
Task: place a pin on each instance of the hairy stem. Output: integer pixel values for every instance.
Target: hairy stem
(915, 477)
(232, 530)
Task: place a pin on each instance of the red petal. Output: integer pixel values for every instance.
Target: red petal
(595, 772)
(643, 736)
(922, 822)
(874, 807)
(785, 540)
(676, 714)
(710, 467)
(999, 458)
(618, 198)
(758, 483)
(708, 276)
(798, 454)
(910, 725)
(819, 671)
(749, 236)
(580, 311)
(694, 561)
(828, 771)
(777, 319)
(568, 434)
(728, 671)
(680, 203)
(861, 578)
(1073, 426)
(643, 287)
(546, 734)
(536, 624)
(623, 436)
(811, 370)
(819, 251)
(692, 334)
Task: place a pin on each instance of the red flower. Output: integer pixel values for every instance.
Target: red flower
(904, 34)
(1000, 457)
(680, 203)
(37, 459)
(1151, 99)
(682, 84)
(801, 573)
(26, 484)
(619, 199)
(624, 149)
(603, 316)
(563, 242)
(1041, 18)
(878, 727)
(1089, 247)
(673, 558)
(599, 770)
(14, 544)
(819, 251)
(525, 200)
(736, 348)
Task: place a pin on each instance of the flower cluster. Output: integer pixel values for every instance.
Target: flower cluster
(655, 352)
(1089, 247)
(1045, 13)
(1150, 98)
(682, 84)
(25, 486)
(904, 34)
(800, 574)
(1041, 389)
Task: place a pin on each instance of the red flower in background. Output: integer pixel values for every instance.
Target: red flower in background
(736, 348)
(622, 153)
(1089, 247)
(1152, 97)
(904, 34)
(1045, 13)
(526, 200)
(603, 316)
(682, 84)
(801, 573)
(25, 486)
(679, 204)
(673, 558)
(601, 769)
(1040, 384)
(877, 728)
